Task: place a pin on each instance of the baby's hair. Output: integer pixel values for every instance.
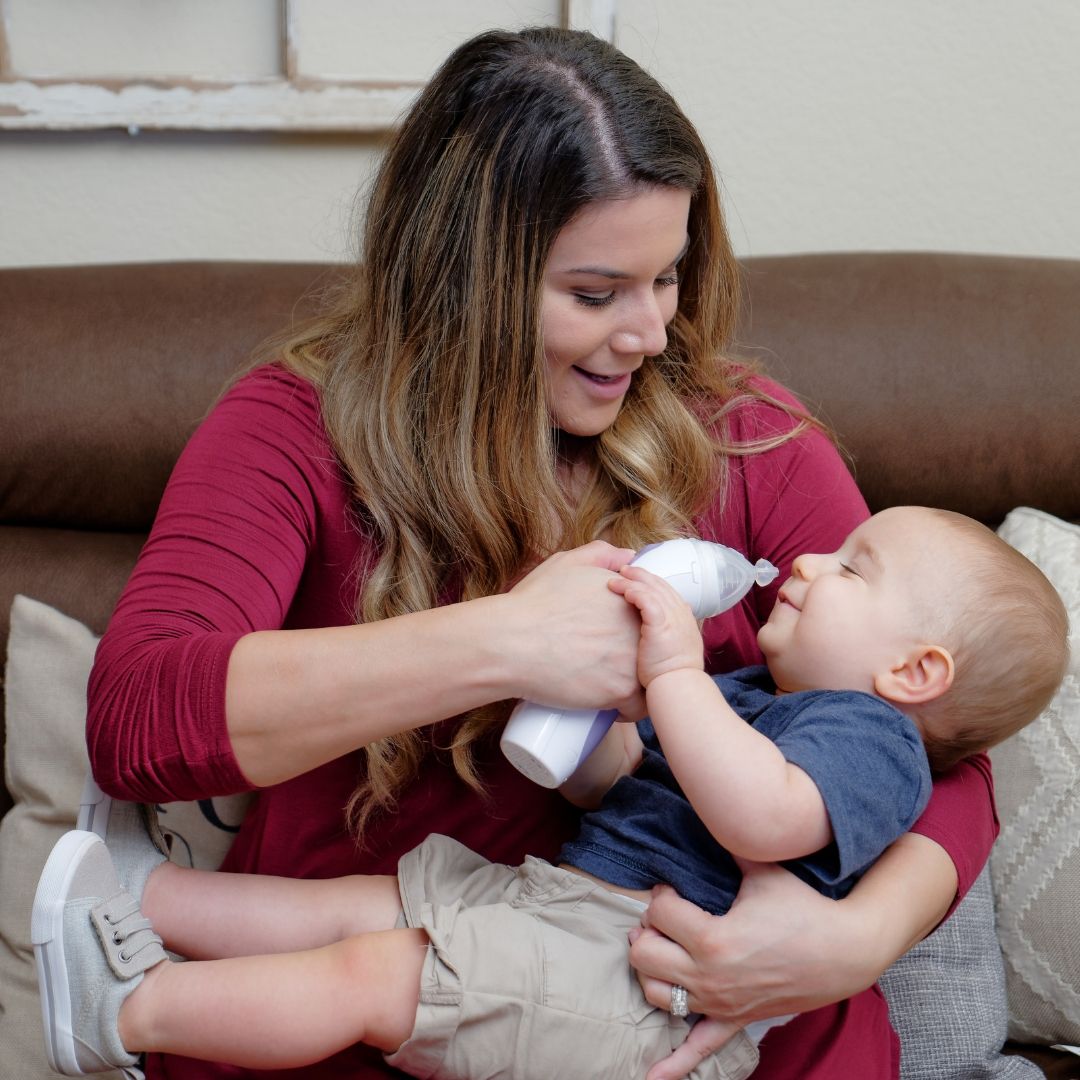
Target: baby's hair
(1010, 644)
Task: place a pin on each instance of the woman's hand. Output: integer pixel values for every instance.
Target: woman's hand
(705, 1038)
(785, 948)
(782, 948)
(560, 636)
(571, 641)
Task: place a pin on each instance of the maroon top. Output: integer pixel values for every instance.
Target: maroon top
(255, 532)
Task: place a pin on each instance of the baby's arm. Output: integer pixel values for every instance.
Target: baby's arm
(755, 803)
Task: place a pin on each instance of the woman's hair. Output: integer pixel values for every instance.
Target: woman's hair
(431, 364)
(1009, 638)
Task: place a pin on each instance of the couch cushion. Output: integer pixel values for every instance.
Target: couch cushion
(968, 358)
(108, 369)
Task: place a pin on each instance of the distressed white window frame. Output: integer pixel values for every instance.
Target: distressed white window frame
(291, 103)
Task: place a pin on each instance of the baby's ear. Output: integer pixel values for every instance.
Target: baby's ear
(925, 674)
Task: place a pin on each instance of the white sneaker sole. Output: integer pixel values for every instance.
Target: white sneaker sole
(47, 937)
(94, 808)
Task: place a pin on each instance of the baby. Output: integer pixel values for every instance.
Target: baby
(924, 639)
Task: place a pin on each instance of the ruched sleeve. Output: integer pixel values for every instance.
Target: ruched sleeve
(236, 526)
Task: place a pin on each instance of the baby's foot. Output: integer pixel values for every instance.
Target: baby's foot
(131, 833)
(91, 947)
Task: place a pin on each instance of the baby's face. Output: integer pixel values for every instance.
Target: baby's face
(841, 619)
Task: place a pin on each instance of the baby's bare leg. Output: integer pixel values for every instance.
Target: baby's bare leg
(281, 1011)
(208, 915)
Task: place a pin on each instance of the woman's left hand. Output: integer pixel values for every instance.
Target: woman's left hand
(782, 948)
(785, 948)
(705, 1038)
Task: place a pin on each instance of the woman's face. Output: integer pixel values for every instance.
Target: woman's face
(610, 289)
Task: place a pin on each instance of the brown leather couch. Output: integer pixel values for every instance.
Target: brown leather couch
(952, 380)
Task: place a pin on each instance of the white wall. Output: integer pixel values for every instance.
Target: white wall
(878, 124)
(836, 124)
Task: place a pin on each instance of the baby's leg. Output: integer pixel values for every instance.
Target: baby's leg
(281, 1011)
(209, 915)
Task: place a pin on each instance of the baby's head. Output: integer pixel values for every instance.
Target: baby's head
(933, 612)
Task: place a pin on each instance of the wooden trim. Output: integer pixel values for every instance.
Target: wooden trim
(288, 104)
(289, 48)
(258, 105)
(5, 52)
(596, 16)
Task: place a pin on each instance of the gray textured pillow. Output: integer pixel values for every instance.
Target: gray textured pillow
(1035, 864)
(947, 999)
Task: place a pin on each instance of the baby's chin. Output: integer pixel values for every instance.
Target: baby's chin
(763, 635)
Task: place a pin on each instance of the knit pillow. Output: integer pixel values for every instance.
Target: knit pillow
(1035, 865)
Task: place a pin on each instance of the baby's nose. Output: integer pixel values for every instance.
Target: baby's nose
(808, 566)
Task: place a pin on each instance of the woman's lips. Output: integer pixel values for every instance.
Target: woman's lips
(605, 386)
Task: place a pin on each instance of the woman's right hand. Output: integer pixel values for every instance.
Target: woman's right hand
(560, 636)
(570, 641)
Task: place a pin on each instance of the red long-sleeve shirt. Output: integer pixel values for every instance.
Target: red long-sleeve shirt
(255, 532)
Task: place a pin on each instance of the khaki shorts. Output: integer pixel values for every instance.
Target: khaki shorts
(528, 976)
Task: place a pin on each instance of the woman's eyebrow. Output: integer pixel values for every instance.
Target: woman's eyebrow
(621, 275)
(599, 271)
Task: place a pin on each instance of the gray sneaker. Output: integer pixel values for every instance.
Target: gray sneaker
(130, 831)
(91, 948)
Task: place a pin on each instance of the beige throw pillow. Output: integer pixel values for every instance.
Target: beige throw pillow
(48, 664)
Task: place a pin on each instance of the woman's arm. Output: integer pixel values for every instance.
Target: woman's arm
(785, 948)
(815, 961)
(197, 689)
(558, 636)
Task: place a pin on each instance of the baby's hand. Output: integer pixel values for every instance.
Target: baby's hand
(670, 637)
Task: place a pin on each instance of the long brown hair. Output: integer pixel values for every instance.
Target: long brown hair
(431, 364)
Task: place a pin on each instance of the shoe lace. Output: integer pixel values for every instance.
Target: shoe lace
(131, 930)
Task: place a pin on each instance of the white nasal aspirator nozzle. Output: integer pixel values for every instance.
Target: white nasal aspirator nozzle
(764, 572)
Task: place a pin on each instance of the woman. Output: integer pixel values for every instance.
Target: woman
(350, 568)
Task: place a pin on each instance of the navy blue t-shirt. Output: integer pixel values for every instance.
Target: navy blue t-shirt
(864, 755)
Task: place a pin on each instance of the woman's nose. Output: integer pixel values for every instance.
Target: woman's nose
(644, 331)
